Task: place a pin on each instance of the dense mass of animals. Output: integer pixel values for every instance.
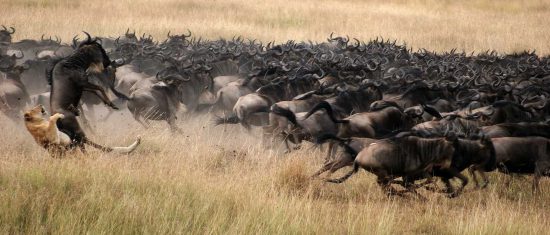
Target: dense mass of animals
(406, 117)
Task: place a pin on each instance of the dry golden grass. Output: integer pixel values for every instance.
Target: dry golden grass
(214, 180)
(220, 180)
(472, 25)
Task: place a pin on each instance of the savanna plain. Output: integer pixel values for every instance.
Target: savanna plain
(220, 180)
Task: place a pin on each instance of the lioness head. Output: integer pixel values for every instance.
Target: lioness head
(35, 114)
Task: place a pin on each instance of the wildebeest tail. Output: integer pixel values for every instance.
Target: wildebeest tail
(326, 106)
(275, 109)
(324, 137)
(341, 141)
(431, 110)
(492, 163)
(232, 119)
(345, 177)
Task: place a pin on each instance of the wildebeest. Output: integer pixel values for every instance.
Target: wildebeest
(523, 155)
(384, 120)
(158, 101)
(351, 147)
(13, 94)
(70, 78)
(402, 157)
(5, 34)
(522, 129)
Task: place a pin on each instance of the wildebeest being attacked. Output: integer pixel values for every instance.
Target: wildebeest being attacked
(70, 77)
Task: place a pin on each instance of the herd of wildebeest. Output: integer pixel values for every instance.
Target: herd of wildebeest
(407, 117)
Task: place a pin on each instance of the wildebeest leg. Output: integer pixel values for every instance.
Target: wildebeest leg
(287, 146)
(385, 183)
(345, 177)
(85, 121)
(265, 136)
(331, 151)
(324, 168)
(536, 177)
(296, 141)
(99, 92)
(333, 166)
(173, 127)
(69, 125)
(473, 170)
(509, 176)
(485, 179)
(446, 180)
(448, 186)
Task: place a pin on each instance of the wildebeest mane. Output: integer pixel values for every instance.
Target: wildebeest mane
(422, 147)
(49, 69)
(382, 104)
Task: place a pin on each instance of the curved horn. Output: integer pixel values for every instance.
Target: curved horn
(75, 42)
(189, 35)
(319, 76)
(89, 39)
(492, 111)
(12, 30)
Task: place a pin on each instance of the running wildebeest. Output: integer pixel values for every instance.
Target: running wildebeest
(13, 95)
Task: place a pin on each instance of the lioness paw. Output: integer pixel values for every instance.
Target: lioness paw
(59, 115)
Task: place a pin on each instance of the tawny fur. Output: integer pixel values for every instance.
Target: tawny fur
(44, 131)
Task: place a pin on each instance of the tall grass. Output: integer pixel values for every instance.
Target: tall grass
(222, 180)
(218, 180)
(470, 25)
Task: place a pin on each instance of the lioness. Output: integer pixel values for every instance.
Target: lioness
(46, 134)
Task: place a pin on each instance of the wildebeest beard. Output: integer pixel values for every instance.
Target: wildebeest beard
(70, 78)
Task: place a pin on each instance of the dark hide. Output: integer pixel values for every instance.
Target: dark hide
(70, 79)
(523, 155)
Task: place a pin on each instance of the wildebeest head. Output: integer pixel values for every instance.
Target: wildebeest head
(15, 72)
(478, 151)
(107, 78)
(273, 90)
(502, 112)
(5, 34)
(7, 62)
(92, 50)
